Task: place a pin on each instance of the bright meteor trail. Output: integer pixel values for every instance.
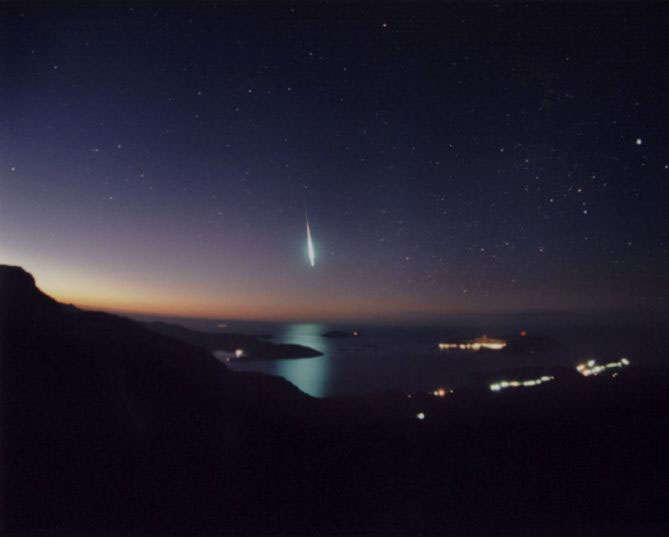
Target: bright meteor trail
(310, 244)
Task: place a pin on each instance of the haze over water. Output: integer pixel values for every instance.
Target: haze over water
(406, 358)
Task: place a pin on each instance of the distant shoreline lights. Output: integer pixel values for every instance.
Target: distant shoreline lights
(591, 368)
(230, 356)
(498, 386)
(483, 342)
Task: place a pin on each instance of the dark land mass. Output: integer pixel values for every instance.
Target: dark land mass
(264, 336)
(254, 348)
(340, 334)
(529, 344)
(109, 426)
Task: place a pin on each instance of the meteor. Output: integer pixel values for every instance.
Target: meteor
(310, 244)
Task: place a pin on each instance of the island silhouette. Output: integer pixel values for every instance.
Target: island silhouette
(248, 347)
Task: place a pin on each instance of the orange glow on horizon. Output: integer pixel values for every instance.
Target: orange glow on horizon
(200, 307)
(149, 295)
(172, 291)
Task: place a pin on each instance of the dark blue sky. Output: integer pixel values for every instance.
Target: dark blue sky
(160, 157)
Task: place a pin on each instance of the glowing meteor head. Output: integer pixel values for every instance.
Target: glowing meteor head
(310, 252)
(310, 247)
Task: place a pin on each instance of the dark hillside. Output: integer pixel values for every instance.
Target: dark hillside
(108, 425)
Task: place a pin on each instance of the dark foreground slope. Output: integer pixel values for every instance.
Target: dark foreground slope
(109, 426)
(107, 423)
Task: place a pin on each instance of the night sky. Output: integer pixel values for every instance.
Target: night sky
(474, 158)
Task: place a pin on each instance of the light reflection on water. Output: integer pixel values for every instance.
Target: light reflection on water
(310, 375)
(380, 359)
(407, 359)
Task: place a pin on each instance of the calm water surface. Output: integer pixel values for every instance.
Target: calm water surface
(407, 358)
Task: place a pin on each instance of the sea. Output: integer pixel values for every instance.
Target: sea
(406, 358)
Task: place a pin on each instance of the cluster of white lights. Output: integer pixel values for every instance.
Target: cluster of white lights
(236, 355)
(497, 386)
(441, 392)
(475, 345)
(592, 368)
(420, 416)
